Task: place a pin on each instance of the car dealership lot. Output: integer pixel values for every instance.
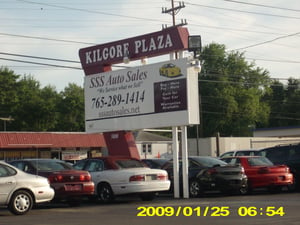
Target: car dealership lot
(247, 209)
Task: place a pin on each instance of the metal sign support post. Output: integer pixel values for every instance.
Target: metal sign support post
(175, 162)
(176, 168)
(185, 175)
(175, 147)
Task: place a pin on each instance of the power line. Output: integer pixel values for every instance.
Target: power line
(261, 5)
(47, 39)
(274, 60)
(44, 64)
(241, 114)
(38, 57)
(269, 41)
(45, 58)
(234, 29)
(88, 10)
(243, 11)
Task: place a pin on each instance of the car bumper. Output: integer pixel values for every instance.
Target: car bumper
(73, 189)
(43, 194)
(226, 184)
(140, 187)
(272, 180)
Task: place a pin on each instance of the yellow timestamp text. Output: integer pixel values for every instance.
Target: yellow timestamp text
(212, 211)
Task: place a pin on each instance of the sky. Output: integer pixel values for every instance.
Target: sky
(36, 31)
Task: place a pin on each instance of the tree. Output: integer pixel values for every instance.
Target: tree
(276, 101)
(49, 108)
(28, 114)
(71, 109)
(39, 109)
(8, 94)
(292, 106)
(284, 101)
(231, 92)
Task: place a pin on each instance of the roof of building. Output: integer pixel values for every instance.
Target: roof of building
(50, 140)
(147, 136)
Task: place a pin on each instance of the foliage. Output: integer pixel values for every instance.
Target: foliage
(8, 95)
(232, 92)
(71, 108)
(39, 109)
(284, 103)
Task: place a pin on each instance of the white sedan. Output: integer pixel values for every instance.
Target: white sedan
(19, 191)
(122, 175)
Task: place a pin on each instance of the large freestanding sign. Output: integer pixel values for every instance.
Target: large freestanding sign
(157, 95)
(150, 96)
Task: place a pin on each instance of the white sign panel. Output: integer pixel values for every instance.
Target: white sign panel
(150, 96)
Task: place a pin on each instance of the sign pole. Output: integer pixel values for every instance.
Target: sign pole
(175, 151)
(175, 162)
(185, 174)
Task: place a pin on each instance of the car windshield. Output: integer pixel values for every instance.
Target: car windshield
(250, 152)
(260, 161)
(209, 162)
(51, 165)
(129, 163)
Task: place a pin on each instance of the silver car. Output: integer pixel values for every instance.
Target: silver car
(19, 191)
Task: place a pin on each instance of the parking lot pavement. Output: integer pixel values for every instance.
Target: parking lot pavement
(260, 208)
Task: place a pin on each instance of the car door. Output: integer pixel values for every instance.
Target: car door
(95, 168)
(7, 182)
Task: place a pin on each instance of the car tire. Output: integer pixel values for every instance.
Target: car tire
(244, 190)
(20, 203)
(195, 189)
(147, 196)
(105, 193)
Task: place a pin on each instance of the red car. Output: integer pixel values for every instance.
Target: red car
(69, 184)
(262, 173)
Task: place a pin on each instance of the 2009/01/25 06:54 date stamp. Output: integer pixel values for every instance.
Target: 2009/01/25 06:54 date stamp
(168, 211)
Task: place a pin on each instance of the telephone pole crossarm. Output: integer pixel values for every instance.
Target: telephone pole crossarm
(174, 11)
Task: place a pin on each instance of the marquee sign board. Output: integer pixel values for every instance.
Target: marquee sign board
(94, 58)
(150, 96)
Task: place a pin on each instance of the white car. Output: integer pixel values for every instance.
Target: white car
(242, 152)
(122, 175)
(19, 191)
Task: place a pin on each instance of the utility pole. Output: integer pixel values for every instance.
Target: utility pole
(174, 11)
(175, 138)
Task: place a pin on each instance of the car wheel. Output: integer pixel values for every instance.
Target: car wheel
(20, 203)
(243, 190)
(147, 196)
(195, 189)
(105, 193)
